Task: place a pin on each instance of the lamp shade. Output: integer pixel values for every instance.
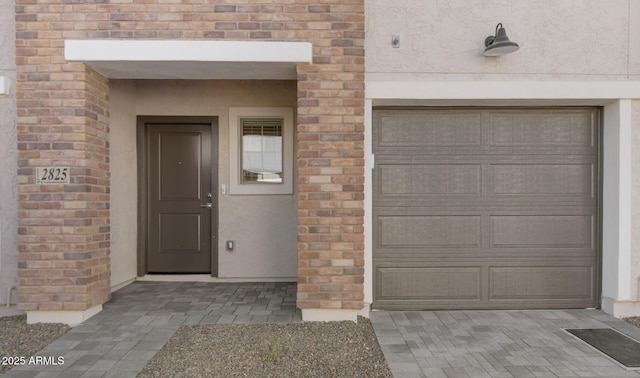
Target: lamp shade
(499, 44)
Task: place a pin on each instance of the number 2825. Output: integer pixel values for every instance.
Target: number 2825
(52, 175)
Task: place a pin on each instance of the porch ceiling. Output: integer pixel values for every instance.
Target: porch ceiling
(150, 59)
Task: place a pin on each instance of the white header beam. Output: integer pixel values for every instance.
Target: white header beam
(153, 59)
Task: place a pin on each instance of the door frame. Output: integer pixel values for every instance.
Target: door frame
(142, 150)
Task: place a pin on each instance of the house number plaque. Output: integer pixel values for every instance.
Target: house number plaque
(52, 175)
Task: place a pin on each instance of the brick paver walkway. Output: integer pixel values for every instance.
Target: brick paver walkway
(142, 317)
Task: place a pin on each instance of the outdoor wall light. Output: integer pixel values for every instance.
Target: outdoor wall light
(499, 44)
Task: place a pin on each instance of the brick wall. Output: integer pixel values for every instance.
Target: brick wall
(63, 232)
(63, 120)
(331, 176)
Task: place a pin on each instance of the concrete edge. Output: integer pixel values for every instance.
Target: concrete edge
(71, 318)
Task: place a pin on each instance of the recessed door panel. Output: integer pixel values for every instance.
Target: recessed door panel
(180, 165)
(180, 233)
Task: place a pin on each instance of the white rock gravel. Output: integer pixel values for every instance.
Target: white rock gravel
(310, 349)
(19, 339)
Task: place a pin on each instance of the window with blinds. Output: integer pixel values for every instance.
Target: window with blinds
(261, 150)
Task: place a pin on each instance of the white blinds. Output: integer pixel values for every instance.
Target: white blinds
(262, 154)
(262, 145)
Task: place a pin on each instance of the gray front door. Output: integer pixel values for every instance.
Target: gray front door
(486, 208)
(181, 202)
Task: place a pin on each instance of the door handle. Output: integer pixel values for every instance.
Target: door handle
(207, 205)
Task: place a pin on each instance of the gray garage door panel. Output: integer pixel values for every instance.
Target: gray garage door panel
(402, 180)
(462, 283)
(444, 231)
(486, 208)
(550, 231)
(541, 282)
(426, 179)
(543, 179)
(480, 284)
(420, 129)
(542, 129)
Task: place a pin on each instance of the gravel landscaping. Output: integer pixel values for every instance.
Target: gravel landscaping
(312, 349)
(19, 339)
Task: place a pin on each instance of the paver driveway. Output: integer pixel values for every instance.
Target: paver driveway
(496, 343)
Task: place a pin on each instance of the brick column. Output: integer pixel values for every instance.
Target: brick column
(331, 167)
(63, 232)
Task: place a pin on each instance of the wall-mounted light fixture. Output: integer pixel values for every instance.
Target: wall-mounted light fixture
(499, 44)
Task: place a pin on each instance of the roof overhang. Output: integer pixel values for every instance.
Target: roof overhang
(175, 59)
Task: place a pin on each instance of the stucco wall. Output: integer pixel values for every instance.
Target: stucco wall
(263, 227)
(8, 171)
(559, 40)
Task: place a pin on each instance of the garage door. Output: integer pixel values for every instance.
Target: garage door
(486, 208)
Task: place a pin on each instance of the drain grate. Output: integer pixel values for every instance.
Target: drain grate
(612, 343)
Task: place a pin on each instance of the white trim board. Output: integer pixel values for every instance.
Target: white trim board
(616, 207)
(500, 93)
(164, 59)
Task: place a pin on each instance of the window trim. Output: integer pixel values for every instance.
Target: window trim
(236, 187)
